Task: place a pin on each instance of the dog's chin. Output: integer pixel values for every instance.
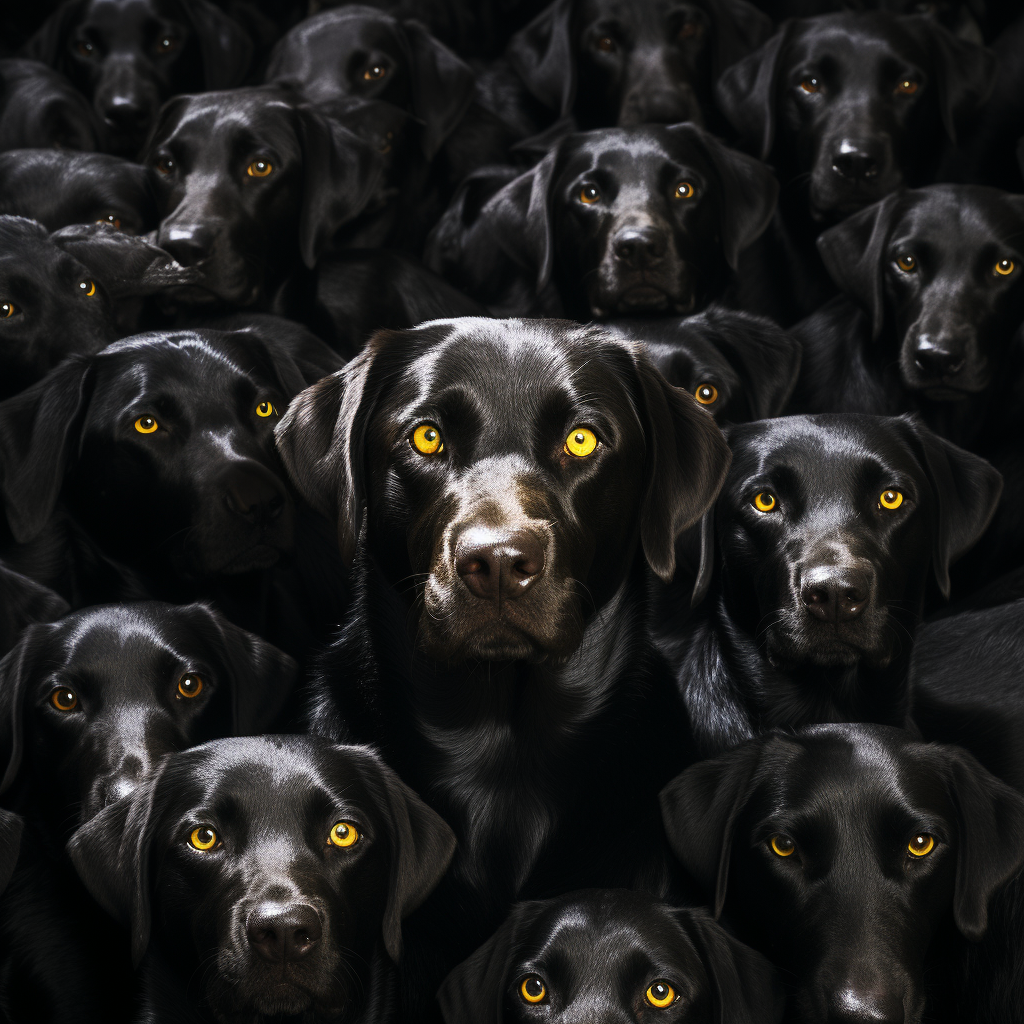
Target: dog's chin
(825, 645)
(496, 640)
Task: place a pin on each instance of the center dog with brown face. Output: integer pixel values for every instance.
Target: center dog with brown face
(503, 487)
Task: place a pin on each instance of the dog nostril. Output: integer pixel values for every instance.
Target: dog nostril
(495, 565)
(836, 598)
(283, 932)
(855, 1007)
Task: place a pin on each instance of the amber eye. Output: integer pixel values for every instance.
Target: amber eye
(533, 989)
(7, 310)
(1004, 268)
(689, 30)
(112, 219)
(661, 994)
(922, 845)
(190, 686)
(146, 425)
(265, 409)
(581, 442)
(88, 288)
(203, 838)
(426, 439)
(259, 169)
(907, 87)
(783, 846)
(606, 44)
(906, 263)
(165, 165)
(589, 194)
(85, 48)
(890, 499)
(344, 834)
(706, 394)
(64, 699)
(810, 85)
(684, 190)
(765, 501)
(166, 44)
(375, 73)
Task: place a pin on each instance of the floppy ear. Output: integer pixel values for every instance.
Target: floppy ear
(685, 464)
(318, 445)
(746, 988)
(854, 256)
(24, 601)
(226, 46)
(746, 94)
(542, 55)
(48, 44)
(38, 428)
(699, 809)
(966, 490)
(442, 86)
(11, 827)
(990, 839)
(341, 172)
(739, 28)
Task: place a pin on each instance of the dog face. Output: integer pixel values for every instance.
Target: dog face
(609, 954)
(510, 469)
(281, 864)
(91, 703)
(841, 851)
(855, 103)
(942, 268)
(828, 525)
(633, 221)
(41, 108)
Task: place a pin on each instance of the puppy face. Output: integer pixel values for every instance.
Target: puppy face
(828, 525)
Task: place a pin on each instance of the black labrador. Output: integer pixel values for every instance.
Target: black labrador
(504, 486)
(611, 954)
(39, 107)
(854, 857)
(266, 877)
(828, 530)
(616, 222)
(847, 108)
(88, 706)
(128, 58)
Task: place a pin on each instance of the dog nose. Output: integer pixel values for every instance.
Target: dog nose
(852, 1006)
(836, 595)
(856, 160)
(639, 247)
(280, 932)
(126, 115)
(938, 356)
(256, 497)
(495, 565)
(188, 244)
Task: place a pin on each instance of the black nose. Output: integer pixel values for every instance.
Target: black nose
(495, 565)
(834, 595)
(639, 247)
(939, 356)
(856, 160)
(279, 931)
(256, 497)
(855, 1007)
(187, 243)
(126, 115)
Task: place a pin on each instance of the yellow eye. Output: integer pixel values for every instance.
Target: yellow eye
(810, 85)
(344, 834)
(921, 846)
(765, 501)
(890, 499)
(661, 994)
(7, 310)
(375, 73)
(906, 263)
(533, 989)
(590, 194)
(259, 169)
(581, 442)
(783, 846)
(706, 394)
(265, 409)
(112, 219)
(684, 190)
(146, 425)
(908, 87)
(426, 439)
(1004, 268)
(88, 288)
(64, 699)
(190, 686)
(203, 838)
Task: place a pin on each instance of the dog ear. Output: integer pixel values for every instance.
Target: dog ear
(700, 807)
(686, 461)
(50, 42)
(442, 86)
(990, 839)
(341, 173)
(111, 854)
(473, 993)
(11, 827)
(746, 93)
(321, 450)
(24, 602)
(739, 28)
(965, 490)
(542, 56)
(38, 428)
(226, 47)
(854, 256)
(746, 988)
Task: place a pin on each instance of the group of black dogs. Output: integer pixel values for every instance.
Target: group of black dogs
(513, 512)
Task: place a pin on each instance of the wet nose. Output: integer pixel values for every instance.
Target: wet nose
(257, 498)
(115, 787)
(281, 932)
(639, 247)
(187, 243)
(835, 595)
(497, 565)
(852, 1006)
(126, 114)
(857, 160)
(939, 355)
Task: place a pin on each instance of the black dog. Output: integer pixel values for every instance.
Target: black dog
(611, 954)
(266, 876)
(129, 58)
(851, 855)
(509, 483)
(22, 602)
(828, 530)
(612, 222)
(88, 706)
(847, 108)
(39, 107)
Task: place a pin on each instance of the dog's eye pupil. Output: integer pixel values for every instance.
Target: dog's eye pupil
(64, 699)
(1004, 267)
(7, 309)
(922, 845)
(810, 85)
(533, 989)
(606, 43)
(88, 288)
(589, 194)
(190, 686)
(375, 73)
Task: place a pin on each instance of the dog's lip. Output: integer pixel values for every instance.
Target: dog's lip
(948, 392)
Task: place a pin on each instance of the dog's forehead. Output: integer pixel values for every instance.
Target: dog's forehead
(238, 114)
(858, 41)
(971, 215)
(638, 155)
